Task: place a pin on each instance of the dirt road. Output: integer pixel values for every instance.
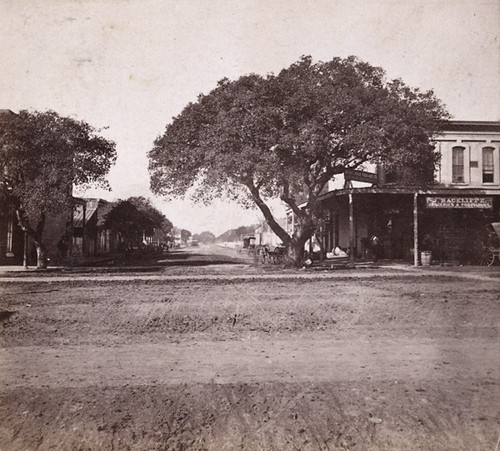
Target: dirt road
(358, 360)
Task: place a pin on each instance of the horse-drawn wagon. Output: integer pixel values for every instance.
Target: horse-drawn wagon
(491, 249)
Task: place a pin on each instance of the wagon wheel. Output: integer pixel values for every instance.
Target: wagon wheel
(487, 258)
(264, 254)
(278, 259)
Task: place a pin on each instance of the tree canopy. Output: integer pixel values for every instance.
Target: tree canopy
(135, 218)
(42, 156)
(204, 237)
(287, 135)
(185, 235)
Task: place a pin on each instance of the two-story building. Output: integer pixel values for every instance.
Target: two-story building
(449, 220)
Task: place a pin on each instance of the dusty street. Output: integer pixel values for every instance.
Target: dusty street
(230, 356)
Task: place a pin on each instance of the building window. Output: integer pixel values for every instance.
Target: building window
(488, 165)
(458, 165)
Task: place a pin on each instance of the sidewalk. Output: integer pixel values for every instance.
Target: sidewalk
(246, 273)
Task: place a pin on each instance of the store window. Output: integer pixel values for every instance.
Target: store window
(488, 165)
(458, 165)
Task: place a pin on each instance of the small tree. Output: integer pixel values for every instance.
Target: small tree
(205, 237)
(286, 136)
(185, 235)
(42, 156)
(159, 223)
(135, 218)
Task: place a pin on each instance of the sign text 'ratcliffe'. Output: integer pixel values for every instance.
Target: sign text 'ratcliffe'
(460, 202)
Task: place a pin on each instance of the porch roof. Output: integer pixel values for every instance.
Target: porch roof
(441, 191)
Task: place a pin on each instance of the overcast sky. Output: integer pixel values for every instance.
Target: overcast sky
(133, 65)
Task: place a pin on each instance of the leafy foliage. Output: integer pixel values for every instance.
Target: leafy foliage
(135, 217)
(287, 135)
(42, 156)
(204, 237)
(185, 235)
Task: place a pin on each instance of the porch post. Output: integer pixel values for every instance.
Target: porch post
(71, 238)
(351, 229)
(83, 227)
(415, 229)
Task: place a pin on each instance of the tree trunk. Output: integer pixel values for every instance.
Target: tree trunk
(295, 253)
(268, 216)
(41, 255)
(36, 234)
(295, 248)
(294, 244)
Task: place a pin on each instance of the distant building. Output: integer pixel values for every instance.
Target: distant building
(265, 236)
(90, 236)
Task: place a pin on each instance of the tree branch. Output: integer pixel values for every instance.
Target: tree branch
(275, 227)
(290, 201)
(23, 222)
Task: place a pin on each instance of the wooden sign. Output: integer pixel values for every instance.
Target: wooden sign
(360, 176)
(460, 202)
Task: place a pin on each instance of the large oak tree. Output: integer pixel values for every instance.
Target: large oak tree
(42, 157)
(287, 135)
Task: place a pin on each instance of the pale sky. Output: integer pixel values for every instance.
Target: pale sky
(133, 65)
